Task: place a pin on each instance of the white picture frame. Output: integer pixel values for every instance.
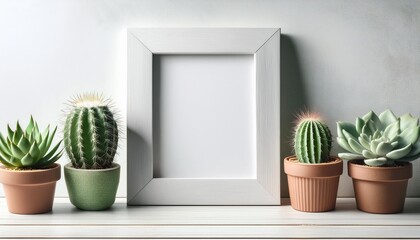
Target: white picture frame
(142, 187)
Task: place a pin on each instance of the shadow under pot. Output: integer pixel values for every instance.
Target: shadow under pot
(313, 187)
(30, 191)
(380, 189)
(92, 189)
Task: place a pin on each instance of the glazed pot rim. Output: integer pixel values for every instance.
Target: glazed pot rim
(70, 167)
(321, 170)
(378, 174)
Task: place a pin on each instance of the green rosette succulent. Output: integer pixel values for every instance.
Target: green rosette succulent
(380, 140)
(28, 149)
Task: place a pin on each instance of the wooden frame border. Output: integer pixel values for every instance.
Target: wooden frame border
(142, 188)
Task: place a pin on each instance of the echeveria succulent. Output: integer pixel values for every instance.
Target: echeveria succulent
(380, 140)
(28, 148)
(312, 142)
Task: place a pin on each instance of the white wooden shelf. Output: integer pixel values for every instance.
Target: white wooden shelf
(211, 222)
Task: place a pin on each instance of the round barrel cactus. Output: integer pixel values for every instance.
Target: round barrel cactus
(312, 142)
(90, 132)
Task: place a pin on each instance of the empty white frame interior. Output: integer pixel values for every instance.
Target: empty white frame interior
(203, 117)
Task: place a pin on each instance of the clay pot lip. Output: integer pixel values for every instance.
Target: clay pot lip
(23, 171)
(378, 174)
(293, 157)
(28, 177)
(310, 170)
(69, 167)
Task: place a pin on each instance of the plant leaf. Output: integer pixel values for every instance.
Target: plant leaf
(387, 117)
(359, 124)
(5, 162)
(368, 154)
(409, 135)
(392, 130)
(376, 162)
(10, 133)
(364, 143)
(52, 160)
(18, 133)
(356, 146)
(374, 145)
(408, 121)
(15, 162)
(3, 145)
(384, 148)
(349, 156)
(24, 144)
(27, 160)
(344, 144)
(50, 138)
(53, 150)
(350, 128)
(36, 133)
(43, 144)
(16, 152)
(399, 153)
(30, 126)
(34, 151)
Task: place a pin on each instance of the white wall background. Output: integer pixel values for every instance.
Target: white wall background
(341, 58)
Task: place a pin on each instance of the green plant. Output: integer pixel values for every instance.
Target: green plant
(380, 140)
(27, 149)
(312, 141)
(90, 132)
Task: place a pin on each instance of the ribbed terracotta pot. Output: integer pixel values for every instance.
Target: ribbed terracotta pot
(313, 187)
(92, 189)
(380, 189)
(30, 191)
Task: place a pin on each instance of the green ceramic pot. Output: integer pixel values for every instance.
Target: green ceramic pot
(92, 189)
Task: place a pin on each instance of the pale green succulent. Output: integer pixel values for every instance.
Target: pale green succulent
(380, 140)
(28, 149)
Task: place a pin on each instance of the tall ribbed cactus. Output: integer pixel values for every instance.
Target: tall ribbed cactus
(90, 132)
(313, 140)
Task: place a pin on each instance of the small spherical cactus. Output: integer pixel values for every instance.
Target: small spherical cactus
(90, 132)
(313, 141)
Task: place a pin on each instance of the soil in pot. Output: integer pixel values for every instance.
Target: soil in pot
(313, 187)
(92, 189)
(380, 189)
(30, 191)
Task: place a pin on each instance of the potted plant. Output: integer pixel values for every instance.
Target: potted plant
(312, 174)
(380, 149)
(29, 172)
(91, 140)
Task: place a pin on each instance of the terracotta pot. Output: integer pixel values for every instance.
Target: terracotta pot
(379, 189)
(30, 191)
(313, 187)
(92, 189)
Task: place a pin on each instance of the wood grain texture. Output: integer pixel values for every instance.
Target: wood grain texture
(139, 119)
(203, 40)
(267, 63)
(216, 222)
(143, 189)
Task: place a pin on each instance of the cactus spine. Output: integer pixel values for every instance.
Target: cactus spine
(90, 132)
(312, 142)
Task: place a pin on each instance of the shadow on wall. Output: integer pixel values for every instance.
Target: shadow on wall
(292, 99)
